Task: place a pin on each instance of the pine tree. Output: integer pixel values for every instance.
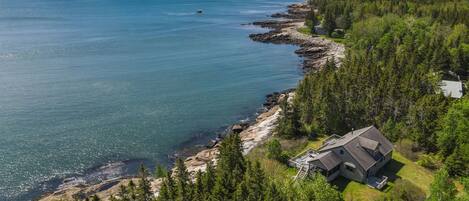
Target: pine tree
(272, 193)
(122, 194)
(347, 18)
(254, 180)
(198, 190)
(143, 190)
(230, 168)
(168, 189)
(183, 182)
(160, 171)
(208, 180)
(241, 193)
(274, 150)
(442, 188)
(132, 190)
(329, 21)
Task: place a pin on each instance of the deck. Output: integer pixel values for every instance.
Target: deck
(376, 182)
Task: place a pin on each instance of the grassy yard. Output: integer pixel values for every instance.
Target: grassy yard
(399, 167)
(307, 31)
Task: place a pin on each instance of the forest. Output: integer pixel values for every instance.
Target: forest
(398, 51)
(397, 54)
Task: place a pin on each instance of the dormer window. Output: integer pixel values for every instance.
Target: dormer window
(349, 166)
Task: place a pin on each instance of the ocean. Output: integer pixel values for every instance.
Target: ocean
(91, 84)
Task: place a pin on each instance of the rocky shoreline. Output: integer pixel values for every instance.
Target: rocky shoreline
(314, 50)
(251, 133)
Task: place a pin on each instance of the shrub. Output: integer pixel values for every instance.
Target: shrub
(337, 34)
(404, 190)
(429, 161)
(274, 151)
(408, 149)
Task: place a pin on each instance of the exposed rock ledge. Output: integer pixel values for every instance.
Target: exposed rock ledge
(284, 30)
(251, 136)
(314, 50)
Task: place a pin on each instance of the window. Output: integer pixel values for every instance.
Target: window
(350, 167)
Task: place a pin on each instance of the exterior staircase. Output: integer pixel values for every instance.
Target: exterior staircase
(302, 173)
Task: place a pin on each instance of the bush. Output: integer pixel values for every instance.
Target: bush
(408, 149)
(429, 161)
(404, 190)
(274, 151)
(337, 34)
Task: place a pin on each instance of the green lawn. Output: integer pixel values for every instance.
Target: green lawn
(399, 167)
(307, 31)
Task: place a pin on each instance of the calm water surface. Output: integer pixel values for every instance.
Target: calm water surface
(89, 82)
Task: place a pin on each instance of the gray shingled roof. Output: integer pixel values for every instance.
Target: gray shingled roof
(343, 140)
(329, 159)
(368, 143)
(355, 143)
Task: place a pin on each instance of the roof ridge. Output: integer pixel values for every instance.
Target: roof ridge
(358, 135)
(346, 141)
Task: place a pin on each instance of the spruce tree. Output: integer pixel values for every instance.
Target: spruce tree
(230, 168)
(144, 189)
(442, 187)
(208, 180)
(242, 192)
(168, 191)
(254, 180)
(272, 193)
(329, 21)
(198, 189)
(160, 171)
(183, 182)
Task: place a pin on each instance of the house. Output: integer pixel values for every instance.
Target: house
(358, 156)
(452, 89)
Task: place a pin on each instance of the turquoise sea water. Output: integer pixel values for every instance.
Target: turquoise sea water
(88, 82)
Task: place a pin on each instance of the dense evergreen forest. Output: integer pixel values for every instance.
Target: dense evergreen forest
(397, 54)
(398, 51)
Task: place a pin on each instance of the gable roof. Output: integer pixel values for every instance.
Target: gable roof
(356, 143)
(328, 159)
(452, 88)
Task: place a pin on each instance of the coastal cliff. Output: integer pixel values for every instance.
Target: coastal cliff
(315, 51)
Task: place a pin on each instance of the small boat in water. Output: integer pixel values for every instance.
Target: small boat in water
(199, 11)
